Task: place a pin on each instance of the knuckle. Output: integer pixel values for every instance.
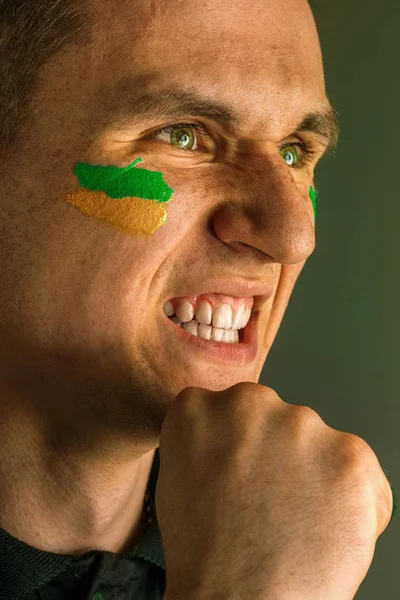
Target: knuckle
(184, 406)
(246, 389)
(354, 456)
(249, 398)
(358, 451)
(386, 503)
(188, 393)
(368, 467)
(305, 417)
(364, 469)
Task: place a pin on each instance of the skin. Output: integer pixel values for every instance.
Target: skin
(87, 370)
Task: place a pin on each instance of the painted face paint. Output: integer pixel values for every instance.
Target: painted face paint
(128, 199)
(314, 195)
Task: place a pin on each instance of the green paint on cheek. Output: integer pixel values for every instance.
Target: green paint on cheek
(124, 182)
(314, 195)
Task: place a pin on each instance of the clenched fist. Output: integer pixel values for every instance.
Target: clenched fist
(260, 499)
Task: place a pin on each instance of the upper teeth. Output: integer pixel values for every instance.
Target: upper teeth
(222, 317)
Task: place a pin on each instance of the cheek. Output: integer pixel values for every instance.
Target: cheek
(131, 200)
(313, 194)
(134, 216)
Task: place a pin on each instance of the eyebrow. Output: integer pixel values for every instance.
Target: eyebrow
(177, 103)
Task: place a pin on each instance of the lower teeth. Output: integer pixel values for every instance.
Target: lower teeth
(208, 332)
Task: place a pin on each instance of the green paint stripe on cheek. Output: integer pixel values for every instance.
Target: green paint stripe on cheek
(124, 182)
(314, 195)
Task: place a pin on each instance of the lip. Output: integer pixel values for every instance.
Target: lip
(240, 354)
(238, 287)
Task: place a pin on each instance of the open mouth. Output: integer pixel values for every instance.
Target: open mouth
(210, 333)
(238, 353)
(212, 317)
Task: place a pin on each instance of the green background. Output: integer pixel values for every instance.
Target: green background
(338, 348)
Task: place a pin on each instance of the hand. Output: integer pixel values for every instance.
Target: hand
(257, 498)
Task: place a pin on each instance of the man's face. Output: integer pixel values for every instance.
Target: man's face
(81, 306)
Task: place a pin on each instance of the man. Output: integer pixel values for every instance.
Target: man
(89, 361)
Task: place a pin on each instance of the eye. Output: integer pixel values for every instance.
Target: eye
(307, 153)
(185, 139)
(181, 134)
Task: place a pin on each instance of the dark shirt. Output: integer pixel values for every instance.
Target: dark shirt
(27, 573)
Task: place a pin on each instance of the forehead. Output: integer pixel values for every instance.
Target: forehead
(255, 54)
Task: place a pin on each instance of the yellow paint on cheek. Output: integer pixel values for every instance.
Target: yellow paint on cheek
(128, 199)
(134, 216)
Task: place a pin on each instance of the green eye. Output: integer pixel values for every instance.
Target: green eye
(183, 137)
(288, 153)
(307, 154)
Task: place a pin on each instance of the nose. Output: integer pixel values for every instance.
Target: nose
(272, 210)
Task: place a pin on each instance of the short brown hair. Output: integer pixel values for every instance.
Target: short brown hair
(31, 32)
